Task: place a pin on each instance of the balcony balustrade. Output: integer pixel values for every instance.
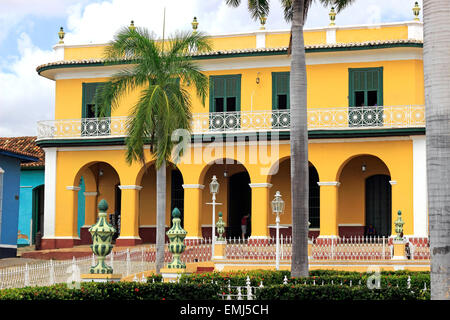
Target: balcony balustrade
(380, 117)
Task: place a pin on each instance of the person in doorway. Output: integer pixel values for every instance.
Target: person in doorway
(371, 231)
(244, 222)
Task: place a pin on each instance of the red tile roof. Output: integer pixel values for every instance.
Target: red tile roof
(24, 146)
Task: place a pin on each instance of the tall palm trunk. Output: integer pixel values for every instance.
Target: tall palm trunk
(299, 146)
(160, 216)
(437, 99)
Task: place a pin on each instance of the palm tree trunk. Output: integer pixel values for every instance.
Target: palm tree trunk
(160, 216)
(436, 60)
(299, 146)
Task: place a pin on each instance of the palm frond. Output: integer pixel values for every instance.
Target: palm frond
(258, 8)
(337, 4)
(233, 3)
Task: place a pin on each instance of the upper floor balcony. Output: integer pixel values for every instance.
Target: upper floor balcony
(351, 118)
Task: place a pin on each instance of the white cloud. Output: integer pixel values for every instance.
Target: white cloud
(25, 97)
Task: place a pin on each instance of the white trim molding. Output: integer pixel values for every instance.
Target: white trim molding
(260, 38)
(259, 237)
(329, 183)
(193, 186)
(331, 35)
(90, 194)
(420, 192)
(50, 192)
(260, 185)
(8, 246)
(129, 237)
(130, 187)
(393, 182)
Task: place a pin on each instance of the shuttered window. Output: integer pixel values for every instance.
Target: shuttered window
(90, 110)
(90, 126)
(366, 87)
(225, 93)
(280, 90)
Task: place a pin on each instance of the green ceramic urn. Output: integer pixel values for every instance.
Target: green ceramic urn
(176, 236)
(102, 233)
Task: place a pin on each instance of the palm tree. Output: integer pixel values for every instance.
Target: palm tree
(157, 69)
(436, 60)
(295, 11)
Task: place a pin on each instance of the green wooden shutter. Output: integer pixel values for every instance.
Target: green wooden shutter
(280, 86)
(365, 80)
(89, 90)
(228, 86)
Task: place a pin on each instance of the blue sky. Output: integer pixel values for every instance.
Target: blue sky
(28, 31)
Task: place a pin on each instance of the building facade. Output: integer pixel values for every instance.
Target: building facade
(11, 157)
(366, 124)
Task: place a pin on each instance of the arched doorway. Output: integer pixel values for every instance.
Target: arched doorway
(378, 205)
(97, 181)
(177, 193)
(281, 181)
(234, 196)
(38, 212)
(240, 204)
(147, 199)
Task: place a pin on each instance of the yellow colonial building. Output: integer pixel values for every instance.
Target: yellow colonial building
(366, 123)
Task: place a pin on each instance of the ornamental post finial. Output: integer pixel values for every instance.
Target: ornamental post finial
(102, 233)
(176, 236)
(332, 15)
(399, 226)
(416, 11)
(220, 225)
(262, 20)
(132, 27)
(194, 24)
(61, 35)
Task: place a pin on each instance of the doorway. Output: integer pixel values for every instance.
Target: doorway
(239, 204)
(38, 212)
(379, 204)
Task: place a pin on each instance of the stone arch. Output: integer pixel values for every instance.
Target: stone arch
(354, 203)
(101, 181)
(346, 161)
(281, 181)
(146, 178)
(234, 179)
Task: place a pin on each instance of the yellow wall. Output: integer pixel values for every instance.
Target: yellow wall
(395, 156)
(371, 34)
(273, 40)
(402, 85)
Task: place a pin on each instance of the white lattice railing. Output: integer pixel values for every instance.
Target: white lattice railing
(350, 249)
(247, 121)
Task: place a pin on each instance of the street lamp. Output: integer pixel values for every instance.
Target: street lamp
(213, 189)
(277, 209)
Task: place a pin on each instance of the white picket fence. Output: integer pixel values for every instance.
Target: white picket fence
(344, 248)
(67, 271)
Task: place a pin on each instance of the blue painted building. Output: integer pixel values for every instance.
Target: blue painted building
(11, 157)
(31, 203)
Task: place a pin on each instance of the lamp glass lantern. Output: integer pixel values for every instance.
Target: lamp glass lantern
(277, 204)
(277, 209)
(214, 185)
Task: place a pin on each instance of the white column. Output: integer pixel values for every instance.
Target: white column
(50, 192)
(260, 39)
(420, 201)
(331, 35)
(58, 51)
(415, 30)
